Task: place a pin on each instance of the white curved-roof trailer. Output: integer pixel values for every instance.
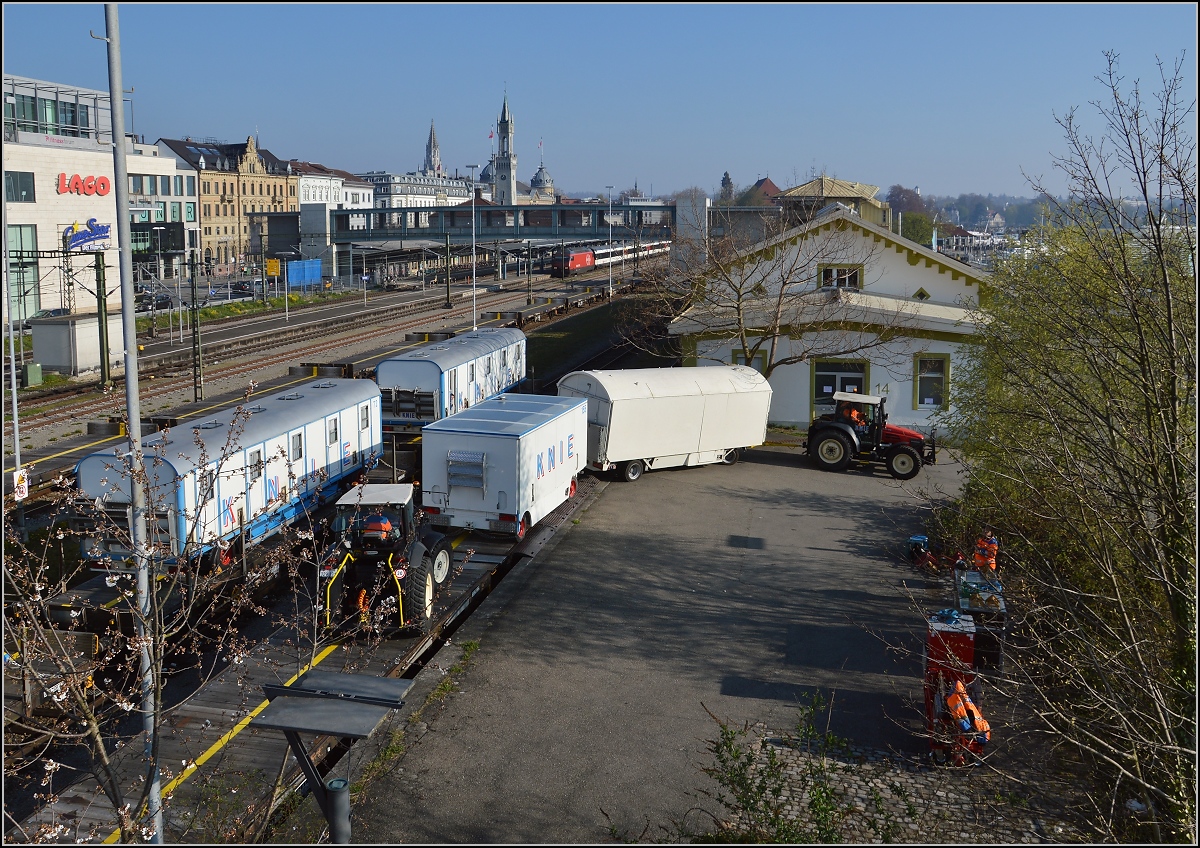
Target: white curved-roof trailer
(440, 378)
(649, 418)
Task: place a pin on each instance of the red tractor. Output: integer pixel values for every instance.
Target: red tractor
(858, 431)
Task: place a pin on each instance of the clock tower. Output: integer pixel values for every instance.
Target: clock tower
(504, 175)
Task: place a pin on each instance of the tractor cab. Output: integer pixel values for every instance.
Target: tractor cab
(384, 564)
(373, 530)
(857, 430)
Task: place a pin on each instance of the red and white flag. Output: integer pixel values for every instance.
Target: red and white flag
(491, 134)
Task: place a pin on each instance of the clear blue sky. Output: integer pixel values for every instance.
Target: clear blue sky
(950, 98)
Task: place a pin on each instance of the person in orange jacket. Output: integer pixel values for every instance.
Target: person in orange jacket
(986, 548)
(853, 416)
(973, 728)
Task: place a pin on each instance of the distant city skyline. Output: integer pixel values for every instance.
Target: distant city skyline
(950, 98)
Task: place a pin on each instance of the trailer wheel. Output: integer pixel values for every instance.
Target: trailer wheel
(831, 451)
(632, 470)
(903, 462)
(441, 566)
(731, 456)
(418, 595)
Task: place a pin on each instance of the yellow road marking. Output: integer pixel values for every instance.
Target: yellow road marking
(224, 740)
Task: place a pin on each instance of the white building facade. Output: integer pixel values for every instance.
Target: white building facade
(922, 299)
(61, 200)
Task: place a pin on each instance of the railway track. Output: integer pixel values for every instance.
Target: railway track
(161, 377)
(211, 730)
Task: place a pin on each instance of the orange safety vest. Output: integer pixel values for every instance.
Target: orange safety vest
(986, 548)
(967, 715)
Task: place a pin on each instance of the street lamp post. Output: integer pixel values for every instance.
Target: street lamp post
(158, 231)
(474, 310)
(610, 188)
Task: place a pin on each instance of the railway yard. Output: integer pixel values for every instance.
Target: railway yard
(568, 681)
(243, 357)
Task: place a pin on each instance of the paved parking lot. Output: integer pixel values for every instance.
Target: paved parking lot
(730, 589)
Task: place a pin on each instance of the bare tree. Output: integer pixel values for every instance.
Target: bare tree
(1078, 425)
(780, 296)
(70, 638)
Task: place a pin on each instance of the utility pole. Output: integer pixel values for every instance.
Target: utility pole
(448, 304)
(610, 188)
(137, 469)
(197, 365)
(102, 315)
(474, 310)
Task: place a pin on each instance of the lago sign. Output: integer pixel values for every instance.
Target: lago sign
(77, 184)
(77, 236)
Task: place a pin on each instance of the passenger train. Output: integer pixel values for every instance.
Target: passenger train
(440, 378)
(574, 260)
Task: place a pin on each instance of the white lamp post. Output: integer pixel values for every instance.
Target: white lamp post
(610, 188)
(158, 231)
(474, 310)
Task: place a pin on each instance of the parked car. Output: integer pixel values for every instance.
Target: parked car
(153, 303)
(43, 313)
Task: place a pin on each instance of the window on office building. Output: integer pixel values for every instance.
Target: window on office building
(135, 183)
(160, 211)
(23, 278)
(179, 185)
(18, 187)
(176, 211)
(164, 186)
(191, 186)
(189, 212)
(151, 184)
(24, 113)
(49, 115)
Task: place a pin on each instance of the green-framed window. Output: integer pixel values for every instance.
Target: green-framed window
(757, 361)
(836, 375)
(840, 276)
(931, 380)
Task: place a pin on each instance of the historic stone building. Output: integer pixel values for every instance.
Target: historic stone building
(235, 180)
(501, 172)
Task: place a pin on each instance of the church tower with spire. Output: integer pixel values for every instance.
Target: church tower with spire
(504, 175)
(433, 156)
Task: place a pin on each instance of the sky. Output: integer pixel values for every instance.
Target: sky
(946, 98)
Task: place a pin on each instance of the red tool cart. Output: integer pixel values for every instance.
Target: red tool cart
(955, 724)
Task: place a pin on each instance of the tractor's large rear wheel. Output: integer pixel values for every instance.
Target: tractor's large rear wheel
(831, 451)
(418, 595)
(903, 462)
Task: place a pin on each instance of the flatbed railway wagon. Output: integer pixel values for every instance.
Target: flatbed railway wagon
(440, 378)
(505, 464)
(643, 419)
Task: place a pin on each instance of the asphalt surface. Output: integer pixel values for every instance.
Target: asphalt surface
(584, 715)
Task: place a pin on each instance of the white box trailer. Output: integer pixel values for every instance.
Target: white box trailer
(648, 418)
(504, 464)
